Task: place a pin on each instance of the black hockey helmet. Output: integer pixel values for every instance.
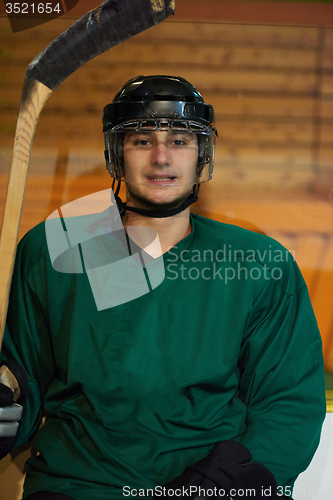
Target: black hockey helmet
(148, 103)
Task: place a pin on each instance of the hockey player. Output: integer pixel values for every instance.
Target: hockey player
(205, 380)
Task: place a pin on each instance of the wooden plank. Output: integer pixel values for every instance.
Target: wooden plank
(326, 107)
(288, 36)
(308, 250)
(54, 128)
(325, 159)
(326, 132)
(244, 105)
(258, 12)
(234, 80)
(225, 54)
(288, 240)
(238, 106)
(266, 153)
(212, 78)
(286, 133)
(329, 39)
(257, 179)
(299, 214)
(254, 164)
(328, 54)
(327, 85)
(69, 99)
(244, 85)
(52, 132)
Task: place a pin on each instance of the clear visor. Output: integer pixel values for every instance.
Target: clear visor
(161, 152)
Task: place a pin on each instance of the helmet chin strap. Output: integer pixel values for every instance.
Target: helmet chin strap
(159, 214)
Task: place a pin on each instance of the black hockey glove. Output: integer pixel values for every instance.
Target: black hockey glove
(226, 473)
(13, 394)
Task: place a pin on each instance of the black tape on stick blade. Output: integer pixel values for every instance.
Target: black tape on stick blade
(100, 29)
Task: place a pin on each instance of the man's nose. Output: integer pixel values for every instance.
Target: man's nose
(161, 154)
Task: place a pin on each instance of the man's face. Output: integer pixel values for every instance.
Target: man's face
(159, 167)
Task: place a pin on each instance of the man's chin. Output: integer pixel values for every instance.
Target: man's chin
(148, 203)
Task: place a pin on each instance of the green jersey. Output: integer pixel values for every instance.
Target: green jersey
(225, 347)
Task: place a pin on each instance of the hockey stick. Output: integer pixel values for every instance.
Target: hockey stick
(104, 27)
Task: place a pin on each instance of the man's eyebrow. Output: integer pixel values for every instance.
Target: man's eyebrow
(128, 135)
(138, 132)
(133, 133)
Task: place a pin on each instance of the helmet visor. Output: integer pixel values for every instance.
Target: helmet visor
(161, 152)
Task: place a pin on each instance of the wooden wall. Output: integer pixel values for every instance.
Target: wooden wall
(272, 89)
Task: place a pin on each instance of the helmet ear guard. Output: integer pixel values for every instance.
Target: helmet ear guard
(206, 154)
(114, 154)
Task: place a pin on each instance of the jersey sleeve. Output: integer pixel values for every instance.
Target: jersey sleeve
(27, 337)
(282, 381)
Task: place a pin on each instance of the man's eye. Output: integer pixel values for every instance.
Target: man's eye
(142, 142)
(179, 142)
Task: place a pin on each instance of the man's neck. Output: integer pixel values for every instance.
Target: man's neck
(170, 230)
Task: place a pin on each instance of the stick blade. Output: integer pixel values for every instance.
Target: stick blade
(100, 29)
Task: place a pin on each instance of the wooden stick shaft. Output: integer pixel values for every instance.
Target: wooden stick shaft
(32, 103)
